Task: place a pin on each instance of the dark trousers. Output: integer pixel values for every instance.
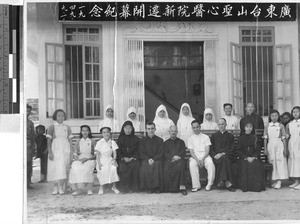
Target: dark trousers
(29, 172)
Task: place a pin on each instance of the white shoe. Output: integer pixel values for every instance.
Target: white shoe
(297, 187)
(208, 187)
(293, 185)
(60, 190)
(273, 185)
(100, 192)
(75, 193)
(115, 190)
(55, 191)
(195, 189)
(89, 192)
(278, 185)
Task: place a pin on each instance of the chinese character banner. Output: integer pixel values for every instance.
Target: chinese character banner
(167, 11)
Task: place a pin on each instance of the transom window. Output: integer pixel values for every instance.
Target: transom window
(257, 35)
(74, 34)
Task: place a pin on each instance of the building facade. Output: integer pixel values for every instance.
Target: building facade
(82, 66)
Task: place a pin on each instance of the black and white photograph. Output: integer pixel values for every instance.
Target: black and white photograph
(160, 111)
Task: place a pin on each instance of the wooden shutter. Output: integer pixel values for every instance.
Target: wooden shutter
(283, 80)
(237, 78)
(55, 86)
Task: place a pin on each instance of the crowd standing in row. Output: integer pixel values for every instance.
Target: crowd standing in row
(156, 162)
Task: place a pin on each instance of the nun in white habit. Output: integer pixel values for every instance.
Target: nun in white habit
(209, 120)
(109, 121)
(132, 116)
(184, 123)
(162, 122)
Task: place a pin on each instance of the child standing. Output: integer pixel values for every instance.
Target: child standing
(82, 169)
(60, 151)
(106, 155)
(42, 152)
(275, 148)
(293, 130)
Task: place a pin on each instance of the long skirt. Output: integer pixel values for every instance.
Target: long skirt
(151, 176)
(251, 176)
(174, 175)
(279, 162)
(58, 167)
(223, 169)
(108, 173)
(129, 175)
(294, 156)
(82, 172)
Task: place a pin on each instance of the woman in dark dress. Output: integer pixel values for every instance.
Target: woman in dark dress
(251, 175)
(128, 158)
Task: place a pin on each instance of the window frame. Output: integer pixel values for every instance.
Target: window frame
(84, 44)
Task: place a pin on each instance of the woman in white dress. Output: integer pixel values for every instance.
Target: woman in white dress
(293, 130)
(82, 168)
(109, 121)
(209, 120)
(59, 143)
(162, 122)
(106, 155)
(132, 116)
(184, 123)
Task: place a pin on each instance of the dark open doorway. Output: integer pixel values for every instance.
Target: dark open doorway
(174, 74)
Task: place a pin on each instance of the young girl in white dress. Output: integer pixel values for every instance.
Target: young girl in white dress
(275, 148)
(59, 143)
(293, 130)
(209, 120)
(132, 116)
(82, 168)
(184, 123)
(106, 155)
(162, 122)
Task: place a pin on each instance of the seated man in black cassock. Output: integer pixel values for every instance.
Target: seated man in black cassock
(174, 163)
(151, 153)
(222, 149)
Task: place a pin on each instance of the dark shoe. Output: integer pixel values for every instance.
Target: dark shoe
(183, 192)
(157, 191)
(232, 189)
(29, 187)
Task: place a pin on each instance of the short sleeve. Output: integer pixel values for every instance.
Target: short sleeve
(77, 147)
(207, 141)
(190, 143)
(50, 132)
(266, 132)
(97, 147)
(114, 145)
(70, 135)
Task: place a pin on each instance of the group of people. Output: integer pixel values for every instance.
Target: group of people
(156, 162)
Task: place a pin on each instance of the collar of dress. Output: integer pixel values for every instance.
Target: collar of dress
(103, 140)
(58, 124)
(295, 121)
(276, 124)
(85, 140)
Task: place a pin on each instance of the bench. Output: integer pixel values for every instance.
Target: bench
(203, 174)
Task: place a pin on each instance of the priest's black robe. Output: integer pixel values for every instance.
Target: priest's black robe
(254, 119)
(251, 176)
(151, 176)
(223, 143)
(174, 171)
(128, 171)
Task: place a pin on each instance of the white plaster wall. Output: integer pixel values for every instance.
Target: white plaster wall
(43, 26)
